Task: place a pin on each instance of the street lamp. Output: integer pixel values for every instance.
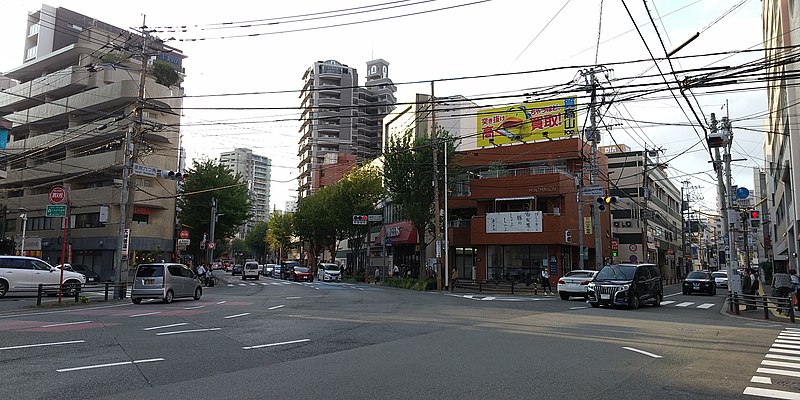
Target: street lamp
(24, 216)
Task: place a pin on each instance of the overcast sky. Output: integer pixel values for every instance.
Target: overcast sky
(460, 40)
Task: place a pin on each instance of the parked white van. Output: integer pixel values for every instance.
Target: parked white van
(19, 273)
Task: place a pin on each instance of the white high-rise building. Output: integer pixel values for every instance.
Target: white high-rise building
(256, 170)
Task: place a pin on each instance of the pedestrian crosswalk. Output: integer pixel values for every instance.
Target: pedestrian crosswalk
(687, 304)
(315, 285)
(486, 297)
(779, 368)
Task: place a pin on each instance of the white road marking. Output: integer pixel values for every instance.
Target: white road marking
(189, 331)
(242, 284)
(761, 379)
(488, 298)
(25, 346)
(784, 351)
(193, 308)
(145, 314)
(253, 284)
(706, 305)
(293, 298)
(786, 346)
(668, 302)
(468, 296)
(773, 371)
(231, 285)
(787, 340)
(642, 352)
(110, 364)
(782, 357)
(236, 316)
(165, 326)
(792, 329)
(670, 295)
(772, 393)
(275, 344)
(780, 364)
(222, 302)
(264, 283)
(684, 304)
(276, 283)
(577, 308)
(65, 324)
(790, 333)
(275, 307)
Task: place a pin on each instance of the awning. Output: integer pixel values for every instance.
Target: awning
(397, 233)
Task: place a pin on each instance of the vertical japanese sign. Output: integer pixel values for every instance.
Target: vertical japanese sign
(527, 122)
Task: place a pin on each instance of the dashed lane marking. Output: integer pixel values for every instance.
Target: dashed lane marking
(65, 324)
(236, 316)
(25, 346)
(145, 314)
(275, 344)
(165, 326)
(275, 307)
(187, 331)
(110, 365)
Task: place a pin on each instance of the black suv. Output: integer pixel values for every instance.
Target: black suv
(626, 285)
(287, 268)
(699, 281)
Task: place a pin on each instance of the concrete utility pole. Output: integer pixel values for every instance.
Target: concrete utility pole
(733, 263)
(212, 224)
(128, 192)
(581, 247)
(593, 135)
(684, 205)
(437, 208)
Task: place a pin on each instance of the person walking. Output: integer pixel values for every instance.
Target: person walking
(377, 275)
(546, 281)
(795, 288)
(747, 289)
(453, 279)
(395, 272)
(781, 285)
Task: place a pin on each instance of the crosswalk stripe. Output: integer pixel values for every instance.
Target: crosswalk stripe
(264, 283)
(706, 305)
(786, 346)
(684, 304)
(242, 284)
(782, 357)
(775, 394)
(230, 285)
(784, 351)
(780, 364)
(774, 371)
(761, 379)
(668, 302)
(780, 339)
(276, 283)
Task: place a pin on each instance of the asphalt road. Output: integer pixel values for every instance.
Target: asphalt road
(280, 340)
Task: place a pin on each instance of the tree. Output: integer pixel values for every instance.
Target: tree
(357, 193)
(407, 175)
(209, 180)
(256, 240)
(280, 230)
(314, 221)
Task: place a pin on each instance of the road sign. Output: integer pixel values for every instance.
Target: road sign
(212, 245)
(742, 193)
(184, 234)
(56, 211)
(126, 240)
(633, 258)
(184, 242)
(359, 219)
(57, 194)
(593, 191)
(145, 170)
(374, 218)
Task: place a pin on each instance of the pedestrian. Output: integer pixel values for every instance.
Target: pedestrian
(754, 278)
(795, 287)
(747, 289)
(201, 272)
(546, 281)
(377, 275)
(781, 285)
(395, 272)
(453, 279)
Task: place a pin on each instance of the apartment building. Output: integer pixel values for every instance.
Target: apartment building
(69, 112)
(256, 170)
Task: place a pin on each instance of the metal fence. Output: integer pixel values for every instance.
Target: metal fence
(108, 289)
(783, 305)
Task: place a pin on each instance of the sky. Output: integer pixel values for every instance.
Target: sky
(426, 40)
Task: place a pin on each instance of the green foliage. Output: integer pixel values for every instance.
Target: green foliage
(280, 231)
(239, 246)
(256, 239)
(209, 180)
(165, 74)
(411, 283)
(314, 221)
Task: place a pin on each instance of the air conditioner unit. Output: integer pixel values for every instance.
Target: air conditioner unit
(616, 224)
(628, 223)
(556, 211)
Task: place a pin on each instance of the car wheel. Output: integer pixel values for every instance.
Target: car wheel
(258, 277)
(136, 301)
(563, 296)
(713, 291)
(634, 302)
(198, 293)
(71, 288)
(594, 304)
(3, 288)
(686, 292)
(659, 298)
(168, 298)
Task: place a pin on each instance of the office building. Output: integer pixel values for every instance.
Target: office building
(256, 170)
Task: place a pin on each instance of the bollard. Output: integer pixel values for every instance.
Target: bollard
(766, 309)
(512, 287)
(736, 304)
(39, 296)
(480, 286)
(791, 310)
(106, 297)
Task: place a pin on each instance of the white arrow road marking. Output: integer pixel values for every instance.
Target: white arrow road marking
(236, 316)
(110, 365)
(642, 352)
(165, 326)
(65, 324)
(189, 331)
(25, 346)
(275, 344)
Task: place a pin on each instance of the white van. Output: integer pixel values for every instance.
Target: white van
(164, 281)
(250, 270)
(19, 274)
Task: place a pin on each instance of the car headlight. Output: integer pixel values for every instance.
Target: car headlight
(625, 287)
(591, 286)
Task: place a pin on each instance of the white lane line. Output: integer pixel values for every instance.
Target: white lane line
(761, 379)
(110, 365)
(786, 346)
(784, 351)
(242, 284)
(275, 344)
(236, 316)
(771, 393)
(275, 307)
(668, 302)
(670, 295)
(276, 283)
(25, 346)
(774, 371)
(488, 298)
(231, 285)
(782, 357)
(189, 331)
(706, 305)
(684, 304)
(642, 352)
(293, 298)
(222, 302)
(264, 283)
(193, 308)
(165, 326)
(780, 364)
(577, 308)
(65, 324)
(145, 314)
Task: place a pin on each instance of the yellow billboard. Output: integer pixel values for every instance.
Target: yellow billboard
(528, 122)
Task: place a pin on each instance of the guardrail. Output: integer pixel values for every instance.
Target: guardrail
(116, 291)
(766, 303)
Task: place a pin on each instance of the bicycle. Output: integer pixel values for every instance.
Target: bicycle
(211, 281)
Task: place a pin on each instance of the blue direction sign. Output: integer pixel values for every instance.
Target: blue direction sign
(742, 193)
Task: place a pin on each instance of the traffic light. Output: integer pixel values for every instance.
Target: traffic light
(567, 236)
(755, 218)
(603, 201)
(178, 176)
(359, 219)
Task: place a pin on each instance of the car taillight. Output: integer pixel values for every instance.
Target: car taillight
(560, 281)
(585, 282)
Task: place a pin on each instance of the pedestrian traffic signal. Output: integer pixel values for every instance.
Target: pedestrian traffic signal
(755, 218)
(603, 201)
(567, 236)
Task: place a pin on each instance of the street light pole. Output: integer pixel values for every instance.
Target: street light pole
(24, 217)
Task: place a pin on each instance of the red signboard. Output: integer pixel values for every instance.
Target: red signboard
(184, 234)
(57, 194)
(614, 244)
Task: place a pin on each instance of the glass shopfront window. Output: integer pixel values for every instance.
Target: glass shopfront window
(513, 262)
(465, 262)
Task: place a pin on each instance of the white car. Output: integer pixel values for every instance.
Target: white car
(250, 270)
(574, 283)
(26, 273)
(268, 268)
(328, 272)
(720, 279)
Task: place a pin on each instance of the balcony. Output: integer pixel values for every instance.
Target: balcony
(50, 171)
(58, 84)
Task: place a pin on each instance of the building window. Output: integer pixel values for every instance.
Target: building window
(141, 219)
(31, 53)
(40, 224)
(90, 220)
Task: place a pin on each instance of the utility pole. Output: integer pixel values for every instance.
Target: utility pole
(684, 204)
(644, 213)
(733, 262)
(593, 136)
(212, 222)
(580, 213)
(436, 207)
(128, 192)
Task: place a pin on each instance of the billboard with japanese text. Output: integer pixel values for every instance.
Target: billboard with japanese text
(528, 122)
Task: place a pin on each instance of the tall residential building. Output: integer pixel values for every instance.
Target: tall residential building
(69, 111)
(781, 20)
(256, 170)
(340, 117)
